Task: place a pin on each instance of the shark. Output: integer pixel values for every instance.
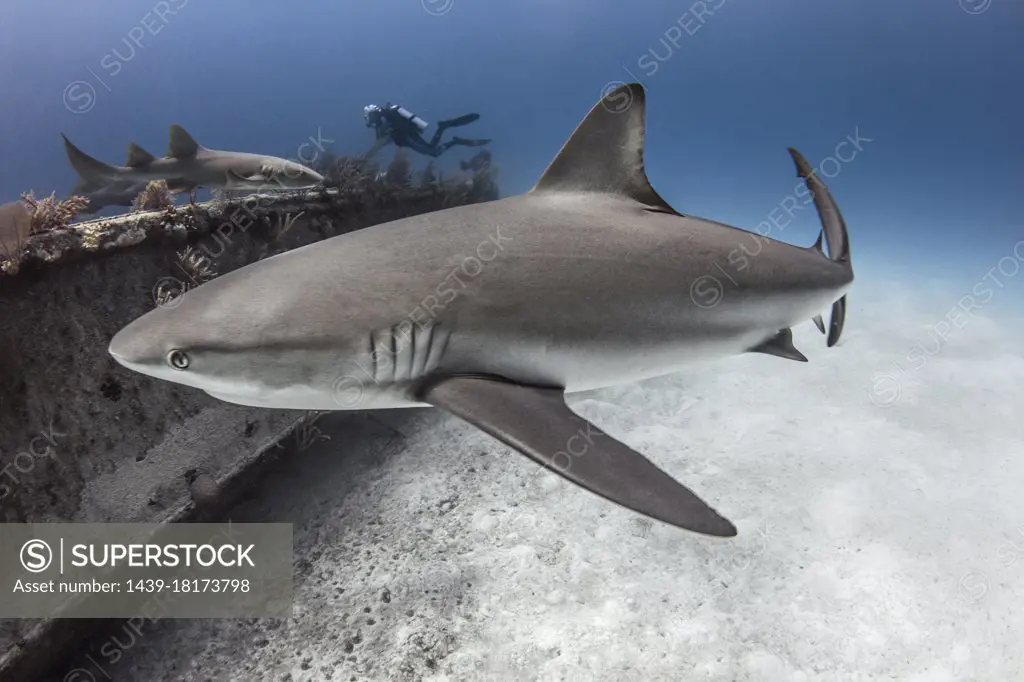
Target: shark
(494, 312)
(188, 165)
(117, 194)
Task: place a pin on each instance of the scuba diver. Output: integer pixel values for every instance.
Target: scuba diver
(394, 123)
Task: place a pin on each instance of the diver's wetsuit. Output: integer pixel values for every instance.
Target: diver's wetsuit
(391, 126)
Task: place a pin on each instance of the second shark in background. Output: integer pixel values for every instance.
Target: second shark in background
(187, 166)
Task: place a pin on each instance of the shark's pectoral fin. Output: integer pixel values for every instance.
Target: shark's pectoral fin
(537, 422)
(137, 156)
(819, 323)
(780, 345)
(182, 146)
(605, 154)
(236, 179)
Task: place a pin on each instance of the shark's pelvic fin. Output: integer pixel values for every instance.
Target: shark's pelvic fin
(836, 237)
(137, 156)
(93, 173)
(537, 422)
(819, 323)
(835, 324)
(605, 154)
(182, 146)
(177, 185)
(780, 345)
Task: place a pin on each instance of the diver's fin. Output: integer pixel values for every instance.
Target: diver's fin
(137, 156)
(835, 325)
(92, 172)
(780, 345)
(605, 154)
(460, 121)
(469, 143)
(819, 323)
(537, 422)
(182, 146)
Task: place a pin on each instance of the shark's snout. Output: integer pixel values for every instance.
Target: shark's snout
(138, 344)
(120, 349)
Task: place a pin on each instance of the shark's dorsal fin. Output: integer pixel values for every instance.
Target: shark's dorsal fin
(182, 145)
(137, 156)
(605, 154)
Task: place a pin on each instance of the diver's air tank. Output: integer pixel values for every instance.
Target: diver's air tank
(409, 116)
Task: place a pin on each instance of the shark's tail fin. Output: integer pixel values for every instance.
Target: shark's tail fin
(93, 173)
(833, 228)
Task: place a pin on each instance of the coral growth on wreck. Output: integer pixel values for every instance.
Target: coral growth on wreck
(155, 197)
(196, 267)
(428, 178)
(361, 176)
(353, 174)
(399, 172)
(15, 227)
(50, 214)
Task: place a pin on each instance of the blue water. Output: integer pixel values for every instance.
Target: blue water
(731, 84)
(912, 112)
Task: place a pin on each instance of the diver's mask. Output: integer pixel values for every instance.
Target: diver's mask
(371, 113)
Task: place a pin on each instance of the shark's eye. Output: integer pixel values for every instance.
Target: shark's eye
(177, 359)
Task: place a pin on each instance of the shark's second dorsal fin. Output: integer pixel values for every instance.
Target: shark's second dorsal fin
(605, 154)
(137, 156)
(182, 145)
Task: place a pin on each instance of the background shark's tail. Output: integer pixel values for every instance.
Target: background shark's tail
(92, 173)
(833, 227)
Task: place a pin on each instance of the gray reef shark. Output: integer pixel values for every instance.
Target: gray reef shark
(494, 311)
(188, 165)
